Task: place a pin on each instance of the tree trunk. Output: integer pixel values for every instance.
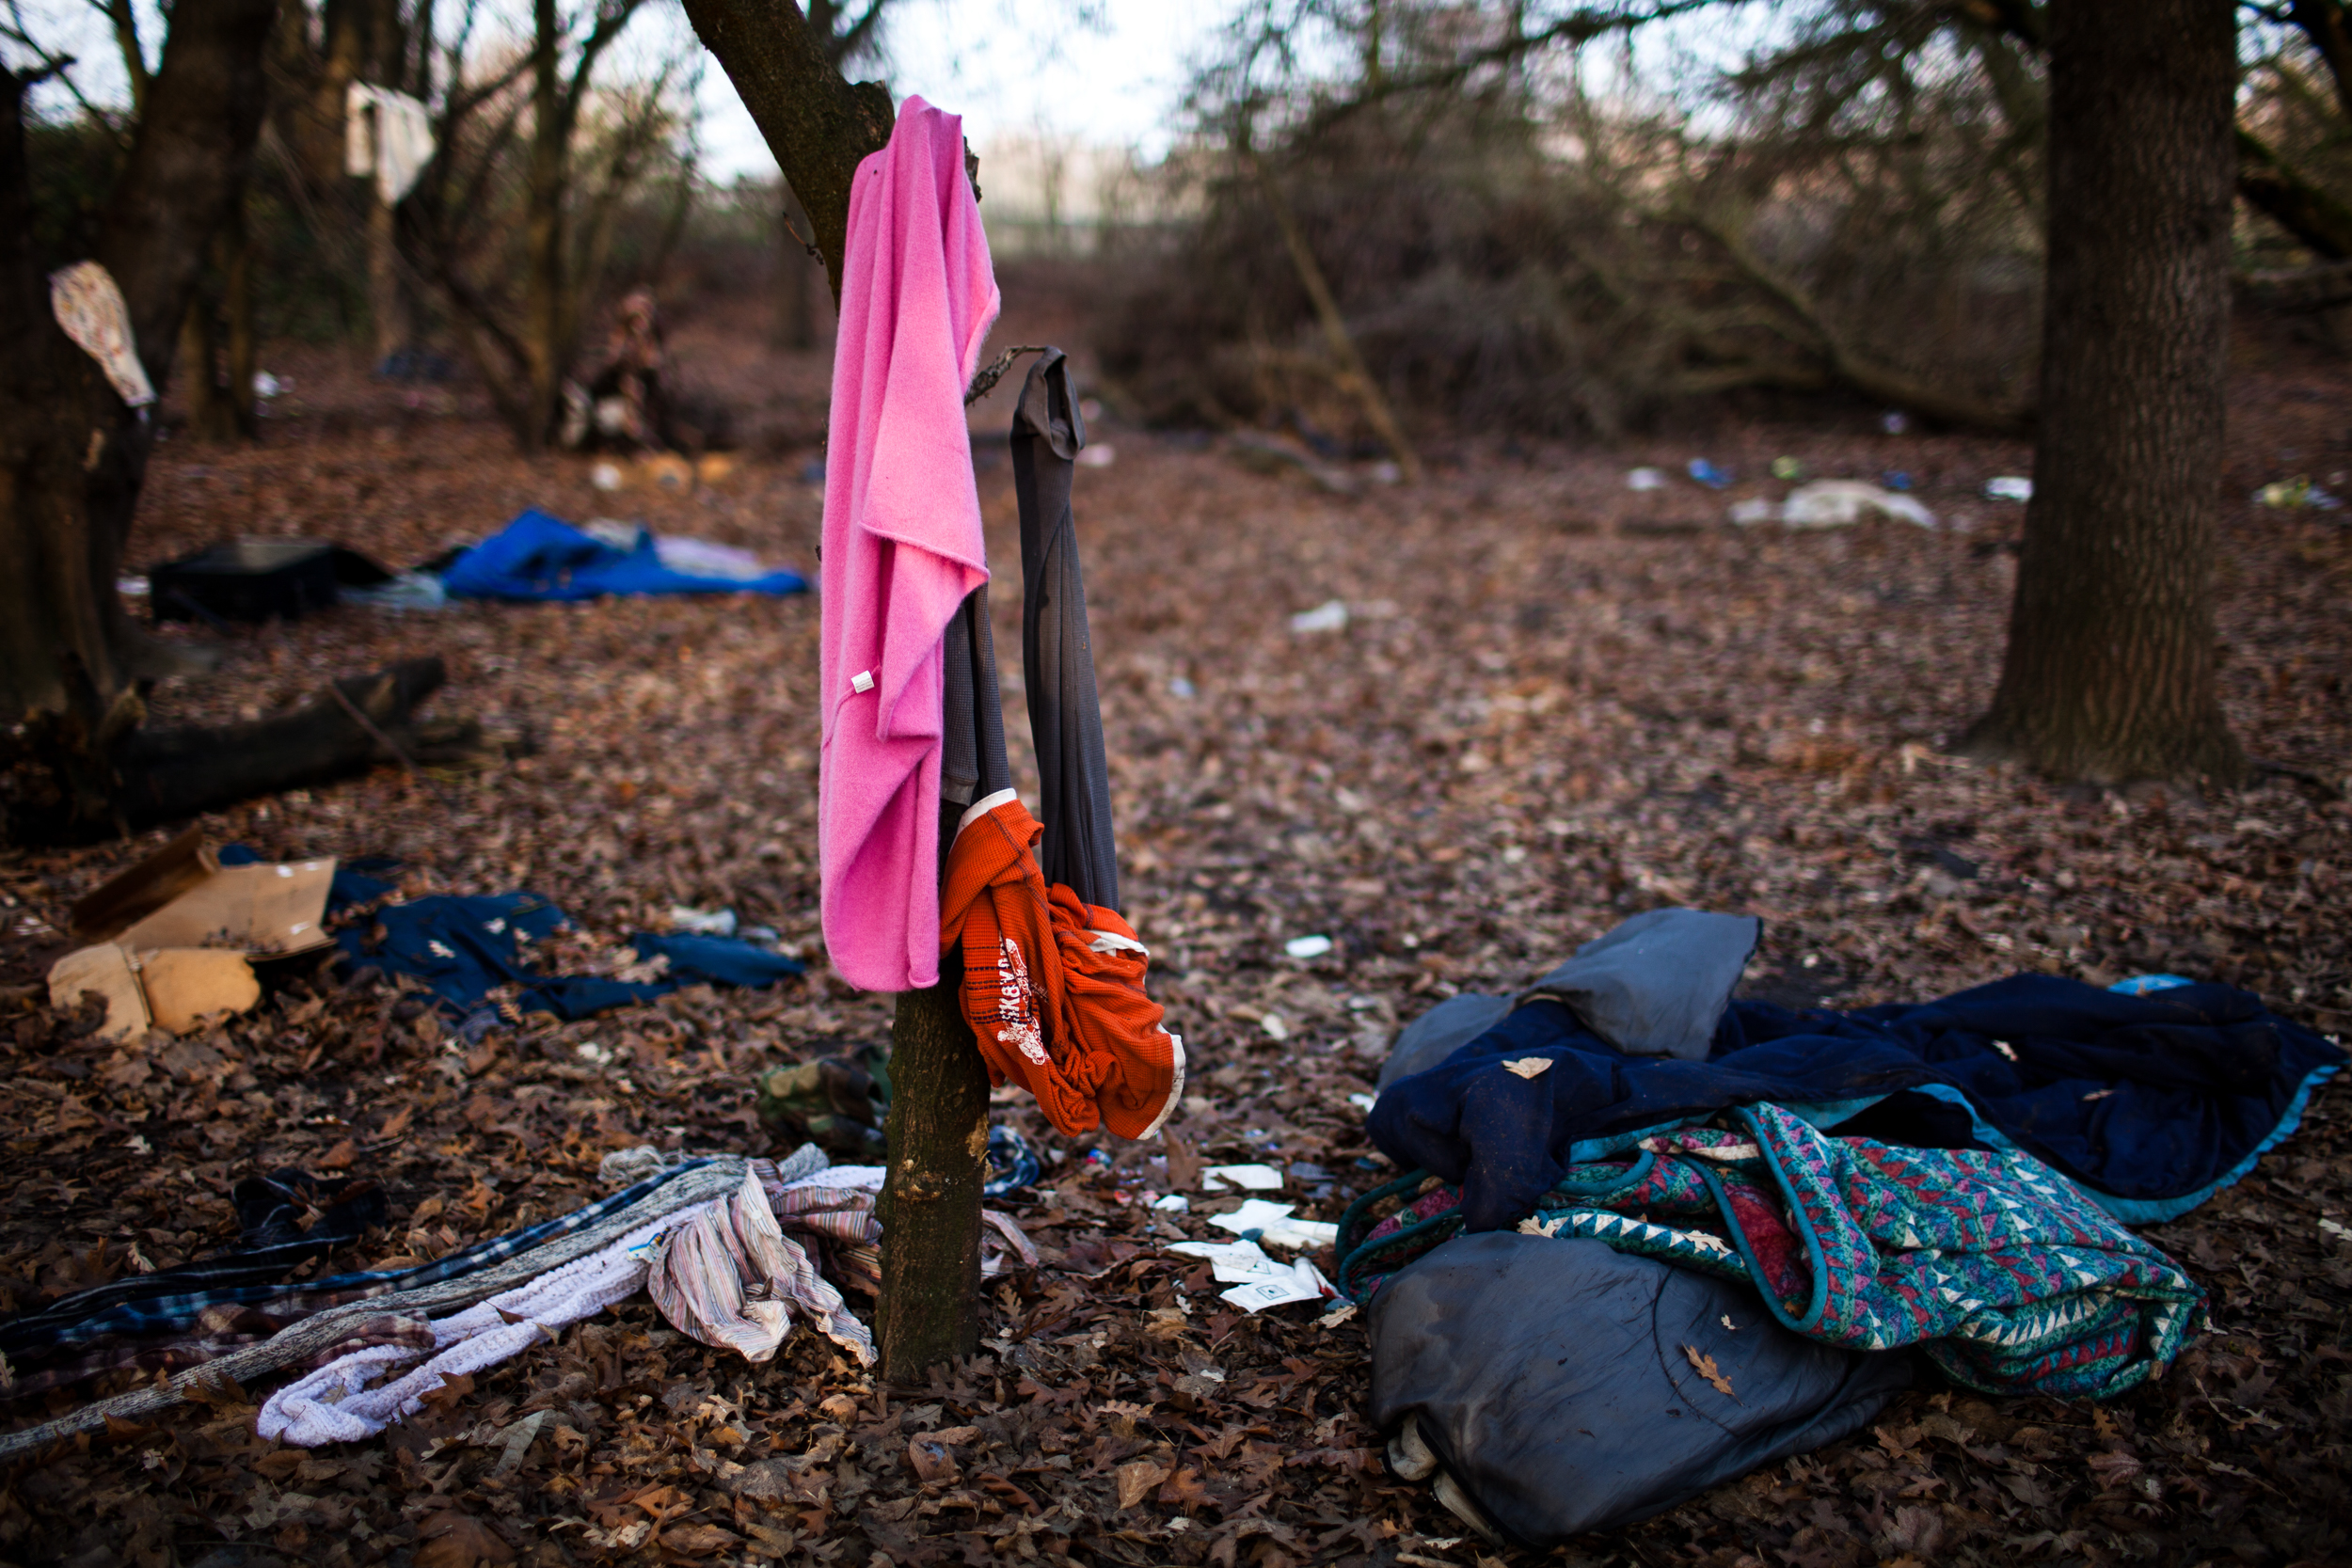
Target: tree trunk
(930, 1200)
(242, 347)
(543, 284)
(796, 304)
(2110, 673)
(209, 415)
(816, 124)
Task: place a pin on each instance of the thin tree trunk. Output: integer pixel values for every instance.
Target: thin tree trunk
(2109, 670)
(240, 348)
(386, 322)
(796, 301)
(543, 284)
(1352, 373)
(209, 418)
(930, 1200)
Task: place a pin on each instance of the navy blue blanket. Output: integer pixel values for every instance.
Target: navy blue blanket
(463, 948)
(2151, 1103)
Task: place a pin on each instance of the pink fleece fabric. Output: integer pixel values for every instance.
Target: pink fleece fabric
(902, 543)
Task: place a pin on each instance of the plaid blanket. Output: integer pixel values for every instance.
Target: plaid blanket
(57, 1328)
(2007, 1276)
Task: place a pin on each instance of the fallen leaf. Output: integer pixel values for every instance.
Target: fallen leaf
(453, 1540)
(1136, 1480)
(1707, 1369)
(1528, 1067)
(932, 1463)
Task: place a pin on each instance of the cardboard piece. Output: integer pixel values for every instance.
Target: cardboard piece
(184, 983)
(258, 910)
(117, 903)
(107, 970)
(173, 939)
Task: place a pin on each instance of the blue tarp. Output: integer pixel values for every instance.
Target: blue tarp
(2149, 1103)
(540, 557)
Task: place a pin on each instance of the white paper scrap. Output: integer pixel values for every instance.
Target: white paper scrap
(1256, 1179)
(1234, 1262)
(1279, 1229)
(1174, 1203)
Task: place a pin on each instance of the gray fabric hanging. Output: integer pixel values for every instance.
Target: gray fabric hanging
(1057, 655)
(972, 761)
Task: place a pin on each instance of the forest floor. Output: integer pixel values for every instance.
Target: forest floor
(1555, 702)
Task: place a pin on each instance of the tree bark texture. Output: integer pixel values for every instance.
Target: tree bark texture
(2109, 672)
(819, 126)
(931, 1201)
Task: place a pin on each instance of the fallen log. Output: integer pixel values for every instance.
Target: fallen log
(63, 780)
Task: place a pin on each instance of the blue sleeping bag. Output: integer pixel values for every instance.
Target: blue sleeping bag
(538, 557)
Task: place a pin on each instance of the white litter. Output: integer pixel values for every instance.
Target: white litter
(1330, 615)
(1097, 457)
(1361, 1101)
(1256, 1179)
(1758, 510)
(702, 923)
(1273, 1026)
(606, 476)
(266, 385)
(1843, 502)
(1277, 1229)
(1307, 947)
(1646, 479)
(1258, 1281)
(2008, 487)
(1174, 1203)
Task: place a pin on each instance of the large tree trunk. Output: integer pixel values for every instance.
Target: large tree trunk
(72, 455)
(2109, 671)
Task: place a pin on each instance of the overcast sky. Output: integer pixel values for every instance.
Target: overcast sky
(1011, 68)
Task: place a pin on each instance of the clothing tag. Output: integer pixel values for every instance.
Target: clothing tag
(862, 681)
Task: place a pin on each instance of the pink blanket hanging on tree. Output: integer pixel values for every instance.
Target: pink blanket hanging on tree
(902, 543)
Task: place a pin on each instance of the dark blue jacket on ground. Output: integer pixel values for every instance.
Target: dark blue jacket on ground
(2152, 1102)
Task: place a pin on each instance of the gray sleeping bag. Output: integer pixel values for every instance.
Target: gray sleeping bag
(1553, 1379)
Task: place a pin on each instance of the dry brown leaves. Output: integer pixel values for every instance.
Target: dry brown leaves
(1556, 702)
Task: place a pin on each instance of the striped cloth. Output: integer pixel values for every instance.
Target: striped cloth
(183, 1313)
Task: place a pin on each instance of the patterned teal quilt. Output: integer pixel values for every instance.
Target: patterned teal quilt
(2008, 1277)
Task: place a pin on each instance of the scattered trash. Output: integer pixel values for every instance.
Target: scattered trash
(1096, 457)
(1308, 947)
(1011, 1163)
(1361, 1101)
(407, 590)
(173, 939)
(1749, 512)
(1787, 468)
(702, 923)
(1273, 1227)
(1894, 421)
(1835, 503)
(2140, 984)
(131, 587)
(1646, 479)
(1256, 1179)
(1174, 1203)
(268, 386)
(1273, 1026)
(837, 1103)
(2008, 487)
(2296, 494)
(1258, 1281)
(1330, 615)
(1182, 687)
(1896, 480)
(1707, 474)
(607, 476)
